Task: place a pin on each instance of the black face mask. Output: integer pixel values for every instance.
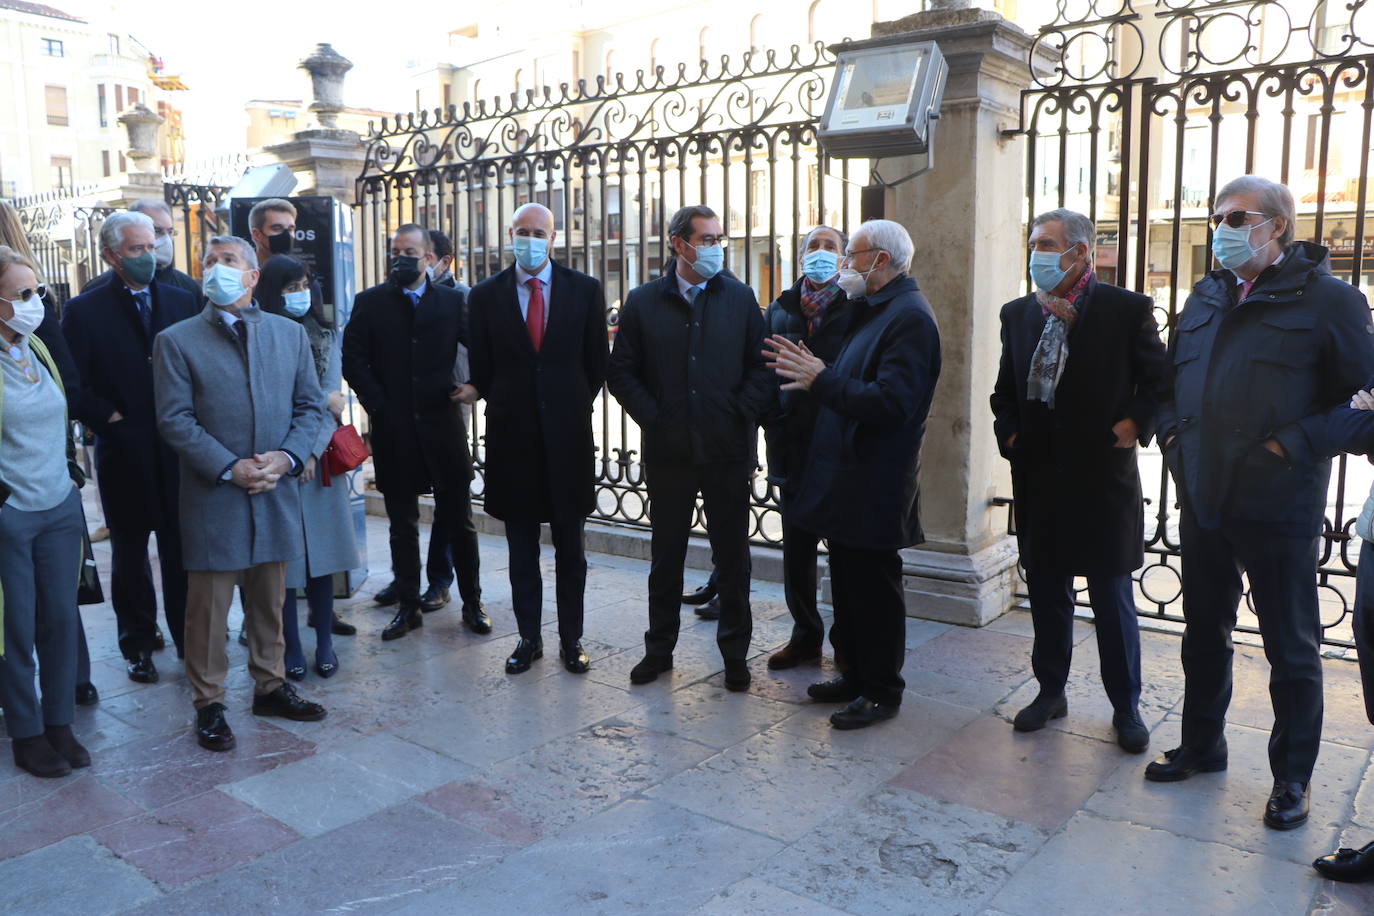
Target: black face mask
(281, 243)
(404, 271)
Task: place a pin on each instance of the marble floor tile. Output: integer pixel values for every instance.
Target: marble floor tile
(1227, 807)
(897, 852)
(709, 715)
(922, 725)
(1096, 865)
(39, 812)
(785, 686)
(640, 856)
(777, 783)
(982, 696)
(374, 865)
(981, 655)
(758, 898)
(192, 839)
(1041, 778)
(76, 875)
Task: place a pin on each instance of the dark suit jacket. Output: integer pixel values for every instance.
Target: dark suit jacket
(541, 456)
(692, 376)
(1078, 499)
(861, 484)
(136, 471)
(398, 359)
(1272, 366)
(166, 276)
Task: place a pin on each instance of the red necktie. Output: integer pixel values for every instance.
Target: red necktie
(1245, 287)
(534, 314)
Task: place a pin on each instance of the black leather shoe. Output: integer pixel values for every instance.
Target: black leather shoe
(710, 610)
(737, 676)
(86, 694)
(341, 627)
(701, 595)
(1131, 733)
(650, 668)
(838, 690)
(1287, 805)
(406, 619)
(476, 619)
(574, 659)
(433, 599)
(862, 713)
(1040, 711)
(1347, 864)
(526, 651)
(62, 740)
(159, 641)
(286, 703)
(35, 755)
(387, 596)
(142, 669)
(1182, 762)
(212, 732)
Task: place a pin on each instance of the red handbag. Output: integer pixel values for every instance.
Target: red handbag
(344, 453)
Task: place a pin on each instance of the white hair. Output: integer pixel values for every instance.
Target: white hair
(246, 251)
(151, 206)
(112, 230)
(890, 237)
(1274, 200)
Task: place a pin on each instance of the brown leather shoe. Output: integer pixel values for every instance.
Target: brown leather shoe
(792, 655)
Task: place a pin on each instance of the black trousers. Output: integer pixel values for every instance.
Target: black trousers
(527, 582)
(452, 513)
(799, 581)
(438, 559)
(1116, 624)
(132, 592)
(1283, 590)
(869, 632)
(673, 492)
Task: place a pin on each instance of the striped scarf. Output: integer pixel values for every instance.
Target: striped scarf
(815, 300)
(1052, 351)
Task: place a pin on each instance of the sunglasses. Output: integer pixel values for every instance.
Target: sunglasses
(40, 291)
(1235, 219)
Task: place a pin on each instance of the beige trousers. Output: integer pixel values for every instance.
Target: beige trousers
(208, 596)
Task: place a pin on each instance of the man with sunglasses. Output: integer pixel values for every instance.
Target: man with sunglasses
(1266, 347)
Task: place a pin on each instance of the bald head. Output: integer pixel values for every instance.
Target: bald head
(532, 236)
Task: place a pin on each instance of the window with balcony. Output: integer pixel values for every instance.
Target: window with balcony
(105, 163)
(61, 172)
(133, 96)
(52, 47)
(102, 105)
(56, 98)
(119, 99)
(114, 44)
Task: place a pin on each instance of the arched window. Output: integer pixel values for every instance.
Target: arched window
(703, 44)
(610, 66)
(653, 55)
(756, 34)
(811, 22)
(519, 81)
(476, 91)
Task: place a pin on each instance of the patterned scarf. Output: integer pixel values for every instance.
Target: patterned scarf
(1052, 352)
(815, 300)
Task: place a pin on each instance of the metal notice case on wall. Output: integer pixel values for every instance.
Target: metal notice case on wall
(883, 100)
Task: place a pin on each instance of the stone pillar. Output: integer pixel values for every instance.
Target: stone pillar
(142, 123)
(965, 218)
(326, 68)
(325, 159)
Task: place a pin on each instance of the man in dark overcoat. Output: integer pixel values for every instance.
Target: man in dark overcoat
(1266, 347)
(538, 355)
(110, 332)
(688, 367)
(399, 350)
(1077, 389)
(860, 489)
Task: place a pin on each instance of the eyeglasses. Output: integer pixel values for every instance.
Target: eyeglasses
(708, 240)
(40, 291)
(849, 255)
(170, 232)
(1235, 219)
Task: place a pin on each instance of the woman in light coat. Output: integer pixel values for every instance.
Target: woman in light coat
(330, 547)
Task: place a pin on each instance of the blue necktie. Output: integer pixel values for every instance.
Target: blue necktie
(696, 291)
(414, 297)
(145, 310)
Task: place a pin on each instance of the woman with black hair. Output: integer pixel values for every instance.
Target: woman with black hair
(285, 289)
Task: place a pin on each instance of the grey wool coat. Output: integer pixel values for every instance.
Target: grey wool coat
(213, 408)
(327, 525)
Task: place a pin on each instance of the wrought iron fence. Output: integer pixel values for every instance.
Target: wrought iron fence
(63, 230)
(1138, 116)
(613, 159)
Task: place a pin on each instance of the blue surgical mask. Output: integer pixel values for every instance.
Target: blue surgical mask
(1045, 270)
(820, 265)
(1232, 246)
(710, 259)
(530, 252)
(296, 304)
(223, 284)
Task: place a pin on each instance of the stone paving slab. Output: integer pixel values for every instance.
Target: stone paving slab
(440, 784)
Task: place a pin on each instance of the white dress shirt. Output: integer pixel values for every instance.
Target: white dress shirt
(522, 289)
(685, 288)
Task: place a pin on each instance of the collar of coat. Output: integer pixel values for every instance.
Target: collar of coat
(1303, 263)
(667, 284)
(250, 313)
(902, 283)
(790, 300)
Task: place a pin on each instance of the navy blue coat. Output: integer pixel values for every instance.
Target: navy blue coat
(1270, 367)
(692, 376)
(861, 485)
(1078, 500)
(137, 471)
(541, 455)
(791, 420)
